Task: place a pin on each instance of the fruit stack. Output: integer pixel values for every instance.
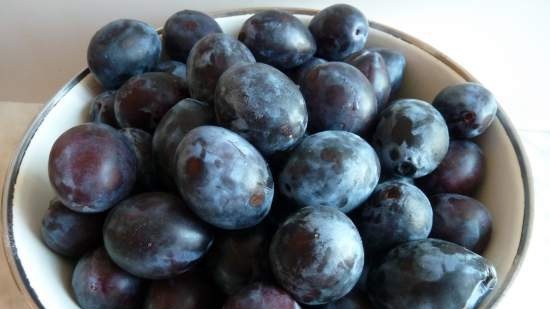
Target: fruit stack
(270, 171)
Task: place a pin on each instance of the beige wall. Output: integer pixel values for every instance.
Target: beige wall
(504, 43)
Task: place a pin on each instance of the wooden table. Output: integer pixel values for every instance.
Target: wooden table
(529, 285)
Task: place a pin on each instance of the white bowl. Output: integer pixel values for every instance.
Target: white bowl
(44, 278)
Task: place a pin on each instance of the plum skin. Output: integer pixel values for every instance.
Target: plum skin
(468, 108)
(317, 255)
(338, 97)
(68, 232)
(154, 236)
(183, 29)
(142, 101)
(102, 109)
(331, 168)
(239, 258)
(91, 167)
(278, 38)
(461, 171)
(339, 30)
(411, 138)
(209, 58)
(395, 213)
(223, 178)
(461, 220)
(113, 65)
(262, 105)
(190, 290)
(431, 274)
(186, 115)
(261, 296)
(97, 282)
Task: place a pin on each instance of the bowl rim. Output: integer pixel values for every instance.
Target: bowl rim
(10, 249)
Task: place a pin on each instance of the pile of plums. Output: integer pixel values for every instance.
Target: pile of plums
(273, 170)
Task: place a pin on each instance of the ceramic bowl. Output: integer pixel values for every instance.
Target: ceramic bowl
(44, 278)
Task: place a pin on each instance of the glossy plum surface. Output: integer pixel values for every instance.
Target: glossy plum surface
(239, 258)
(262, 105)
(339, 31)
(173, 67)
(299, 72)
(332, 168)
(372, 65)
(178, 121)
(462, 220)
(469, 109)
(396, 63)
(278, 38)
(98, 283)
(261, 296)
(190, 290)
(353, 300)
(223, 178)
(461, 171)
(144, 99)
(121, 49)
(395, 213)
(431, 274)
(411, 138)
(154, 235)
(338, 97)
(317, 255)
(68, 232)
(208, 59)
(141, 143)
(183, 29)
(102, 109)
(91, 167)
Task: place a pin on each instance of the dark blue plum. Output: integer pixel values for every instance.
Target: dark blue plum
(144, 99)
(411, 138)
(372, 65)
(121, 49)
(395, 213)
(154, 236)
(91, 167)
(100, 284)
(469, 109)
(176, 68)
(239, 258)
(462, 220)
(102, 109)
(353, 300)
(278, 39)
(223, 178)
(208, 59)
(191, 290)
(339, 30)
(299, 72)
(431, 274)
(178, 121)
(262, 105)
(333, 168)
(183, 29)
(141, 143)
(261, 296)
(317, 255)
(338, 97)
(461, 171)
(396, 64)
(70, 233)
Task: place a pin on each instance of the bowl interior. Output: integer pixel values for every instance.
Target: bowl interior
(46, 276)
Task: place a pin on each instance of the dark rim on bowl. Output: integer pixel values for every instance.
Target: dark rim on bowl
(10, 249)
